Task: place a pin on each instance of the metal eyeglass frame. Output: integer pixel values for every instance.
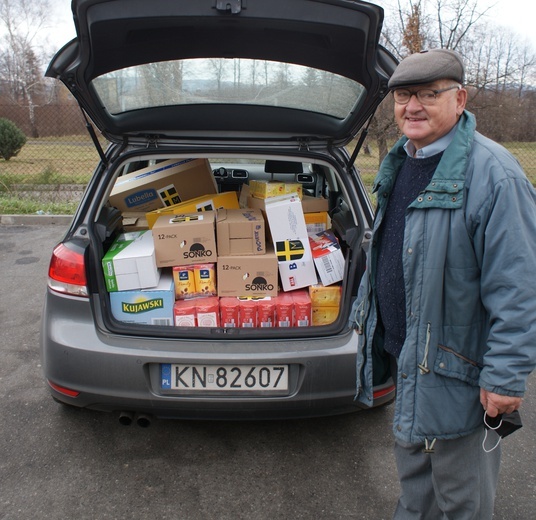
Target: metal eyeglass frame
(418, 94)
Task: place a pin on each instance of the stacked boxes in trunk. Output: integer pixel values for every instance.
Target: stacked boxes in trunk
(223, 264)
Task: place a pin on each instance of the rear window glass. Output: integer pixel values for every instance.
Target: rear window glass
(224, 81)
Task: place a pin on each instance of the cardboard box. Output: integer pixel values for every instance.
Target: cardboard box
(228, 200)
(245, 194)
(130, 262)
(146, 306)
(314, 204)
(134, 221)
(317, 222)
(322, 296)
(324, 315)
(264, 189)
(163, 184)
(328, 257)
(247, 275)
(240, 232)
(185, 239)
(309, 204)
(289, 234)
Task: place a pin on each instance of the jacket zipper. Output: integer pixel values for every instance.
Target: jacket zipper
(466, 359)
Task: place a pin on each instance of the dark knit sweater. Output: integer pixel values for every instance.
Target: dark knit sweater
(412, 178)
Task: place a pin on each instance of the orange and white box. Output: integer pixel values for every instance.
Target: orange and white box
(266, 316)
(208, 311)
(184, 313)
(284, 305)
(302, 308)
(248, 313)
(229, 312)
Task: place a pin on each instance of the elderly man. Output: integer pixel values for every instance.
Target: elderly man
(448, 300)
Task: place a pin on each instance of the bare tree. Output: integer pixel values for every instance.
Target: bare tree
(499, 66)
(20, 69)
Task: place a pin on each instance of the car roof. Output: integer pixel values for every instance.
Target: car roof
(232, 68)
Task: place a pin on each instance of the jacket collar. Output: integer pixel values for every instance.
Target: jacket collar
(450, 173)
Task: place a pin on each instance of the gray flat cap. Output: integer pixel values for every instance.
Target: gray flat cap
(428, 66)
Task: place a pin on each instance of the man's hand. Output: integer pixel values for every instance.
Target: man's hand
(495, 404)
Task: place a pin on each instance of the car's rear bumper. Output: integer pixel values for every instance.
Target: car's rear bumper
(120, 373)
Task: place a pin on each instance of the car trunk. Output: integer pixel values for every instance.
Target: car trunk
(246, 282)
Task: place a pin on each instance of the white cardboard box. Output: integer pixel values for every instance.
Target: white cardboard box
(328, 257)
(130, 262)
(291, 241)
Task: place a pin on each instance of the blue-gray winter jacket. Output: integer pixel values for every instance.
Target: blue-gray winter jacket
(469, 262)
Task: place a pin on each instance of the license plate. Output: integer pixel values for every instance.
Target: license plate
(225, 378)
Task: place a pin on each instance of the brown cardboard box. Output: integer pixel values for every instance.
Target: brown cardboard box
(185, 239)
(163, 184)
(240, 232)
(314, 204)
(211, 202)
(133, 221)
(309, 204)
(318, 221)
(248, 275)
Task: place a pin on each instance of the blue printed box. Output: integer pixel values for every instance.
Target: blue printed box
(162, 185)
(146, 306)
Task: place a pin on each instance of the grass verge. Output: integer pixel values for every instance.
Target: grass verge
(12, 205)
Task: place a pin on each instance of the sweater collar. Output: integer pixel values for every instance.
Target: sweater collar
(453, 162)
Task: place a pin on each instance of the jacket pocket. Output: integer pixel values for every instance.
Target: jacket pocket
(450, 363)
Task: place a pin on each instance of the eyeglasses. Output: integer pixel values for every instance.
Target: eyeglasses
(425, 96)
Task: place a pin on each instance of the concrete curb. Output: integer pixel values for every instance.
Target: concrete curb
(35, 220)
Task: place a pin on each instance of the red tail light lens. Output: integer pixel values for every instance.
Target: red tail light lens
(62, 390)
(384, 391)
(67, 272)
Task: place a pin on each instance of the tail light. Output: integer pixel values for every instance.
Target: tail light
(382, 392)
(67, 272)
(63, 390)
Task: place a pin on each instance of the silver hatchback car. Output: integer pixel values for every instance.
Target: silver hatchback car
(208, 107)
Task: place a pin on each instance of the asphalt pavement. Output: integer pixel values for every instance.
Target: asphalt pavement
(59, 463)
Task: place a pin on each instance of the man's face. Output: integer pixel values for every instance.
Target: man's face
(424, 124)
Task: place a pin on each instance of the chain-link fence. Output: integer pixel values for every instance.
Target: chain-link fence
(51, 171)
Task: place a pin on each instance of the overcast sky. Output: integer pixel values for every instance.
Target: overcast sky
(518, 15)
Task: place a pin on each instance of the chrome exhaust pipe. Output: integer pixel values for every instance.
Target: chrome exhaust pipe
(126, 418)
